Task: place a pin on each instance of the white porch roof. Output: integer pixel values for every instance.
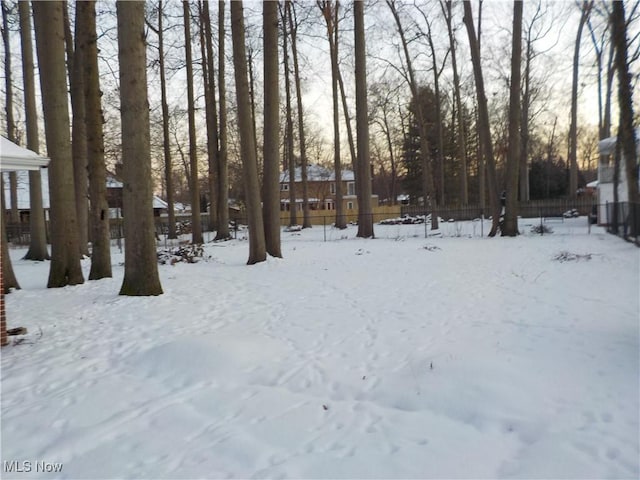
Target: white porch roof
(14, 157)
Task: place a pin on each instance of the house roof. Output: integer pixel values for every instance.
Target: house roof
(159, 203)
(13, 157)
(608, 145)
(317, 173)
(24, 202)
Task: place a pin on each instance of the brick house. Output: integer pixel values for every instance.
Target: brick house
(322, 190)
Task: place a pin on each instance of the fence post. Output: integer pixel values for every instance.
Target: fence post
(324, 227)
(541, 225)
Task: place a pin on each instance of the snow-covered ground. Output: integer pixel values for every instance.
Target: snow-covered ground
(400, 357)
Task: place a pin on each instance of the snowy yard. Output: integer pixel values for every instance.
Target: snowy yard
(400, 357)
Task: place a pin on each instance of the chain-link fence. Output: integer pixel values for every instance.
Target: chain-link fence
(623, 220)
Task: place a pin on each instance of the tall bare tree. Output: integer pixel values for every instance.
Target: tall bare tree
(510, 226)
(293, 30)
(206, 42)
(484, 127)
(437, 72)
(222, 173)
(257, 246)
(194, 187)
(37, 227)
(460, 131)
(166, 142)
(330, 13)
(365, 217)
(428, 184)
(626, 133)
(140, 260)
(289, 154)
(11, 124)
(587, 5)
(271, 179)
(87, 44)
(65, 261)
(78, 132)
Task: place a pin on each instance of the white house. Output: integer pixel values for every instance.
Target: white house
(605, 184)
(12, 158)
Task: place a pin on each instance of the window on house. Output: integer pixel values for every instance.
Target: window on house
(284, 187)
(349, 205)
(332, 188)
(351, 188)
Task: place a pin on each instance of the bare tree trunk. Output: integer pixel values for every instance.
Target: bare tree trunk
(291, 159)
(484, 128)
(9, 279)
(438, 101)
(212, 113)
(257, 246)
(510, 227)
(427, 170)
(196, 224)
(462, 147)
(37, 227)
(306, 220)
(482, 174)
(365, 217)
(79, 134)
(140, 258)
(87, 44)
(11, 125)
(222, 174)
(330, 14)
(626, 135)
(524, 135)
(168, 169)
(65, 262)
(573, 128)
(271, 180)
(347, 121)
(252, 97)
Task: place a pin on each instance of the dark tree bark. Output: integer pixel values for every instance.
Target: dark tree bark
(365, 217)
(330, 14)
(166, 142)
(271, 179)
(484, 128)
(140, 259)
(194, 187)
(293, 28)
(222, 173)
(37, 227)
(291, 162)
(626, 132)
(14, 215)
(573, 128)
(206, 42)
(510, 227)
(461, 137)
(87, 41)
(65, 261)
(79, 133)
(438, 100)
(427, 171)
(257, 246)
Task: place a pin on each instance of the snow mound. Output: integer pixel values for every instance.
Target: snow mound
(209, 358)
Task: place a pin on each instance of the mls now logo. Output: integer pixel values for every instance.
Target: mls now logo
(27, 466)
